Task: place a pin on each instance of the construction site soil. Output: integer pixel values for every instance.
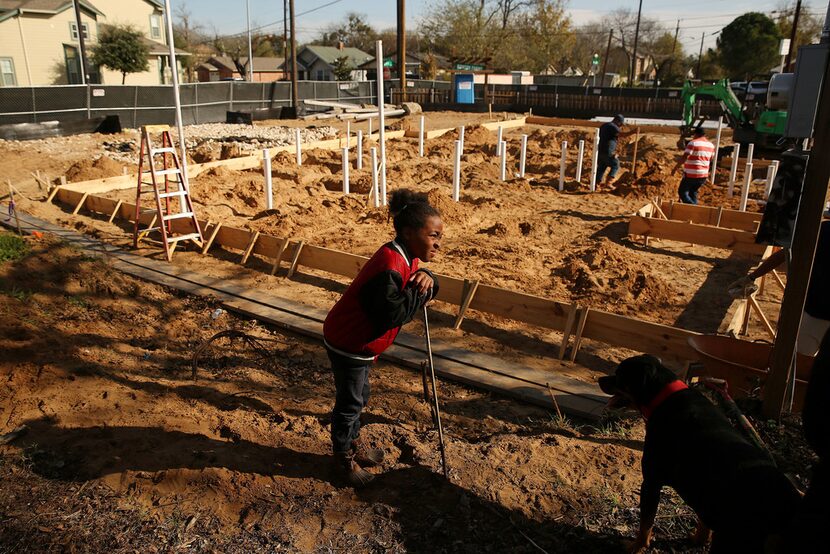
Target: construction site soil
(125, 452)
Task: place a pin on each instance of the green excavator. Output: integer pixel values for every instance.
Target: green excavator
(763, 126)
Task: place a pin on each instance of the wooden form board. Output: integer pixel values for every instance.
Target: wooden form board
(708, 215)
(705, 235)
(523, 307)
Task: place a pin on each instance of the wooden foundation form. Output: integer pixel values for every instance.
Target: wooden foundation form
(701, 225)
(612, 329)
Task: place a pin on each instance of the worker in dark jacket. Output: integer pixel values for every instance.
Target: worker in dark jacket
(606, 157)
(387, 293)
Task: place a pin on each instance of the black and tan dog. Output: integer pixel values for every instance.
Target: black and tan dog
(732, 485)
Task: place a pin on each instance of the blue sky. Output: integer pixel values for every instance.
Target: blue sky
(697, 16)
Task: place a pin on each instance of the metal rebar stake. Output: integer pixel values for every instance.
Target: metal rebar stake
(435, 398)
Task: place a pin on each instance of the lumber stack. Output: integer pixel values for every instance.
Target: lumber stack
(345, 111)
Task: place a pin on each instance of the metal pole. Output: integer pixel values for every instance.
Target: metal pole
(717, 150)
(402, 47)
(805, 237)
(177, 99)
(700, 55)
(605, 60)
(294, 73)
(636, 38)
(81, 43)
(250, 50)
(285, 40)
(792, 36)
(435, 398)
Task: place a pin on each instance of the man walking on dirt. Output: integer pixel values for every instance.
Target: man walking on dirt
(695, 161)
(608, 135)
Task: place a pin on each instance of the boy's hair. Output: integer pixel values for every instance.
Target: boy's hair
(699, 131)
(410, 210)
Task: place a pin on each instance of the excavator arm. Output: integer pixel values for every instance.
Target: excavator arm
(721, 92)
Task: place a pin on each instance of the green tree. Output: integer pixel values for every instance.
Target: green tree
(121, 48)
(343, 68)
(354, 32)
(749, 46)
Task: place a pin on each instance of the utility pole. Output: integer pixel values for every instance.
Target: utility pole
(632, 76)
(250, 52)
(285, 40)
(792, 36)
(82, 53)
(700, 56)
(605, 60)
(673, 48)
(402, 47)
(294, 73)
(805, 237)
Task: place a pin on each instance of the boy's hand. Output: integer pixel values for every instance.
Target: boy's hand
(422, 281)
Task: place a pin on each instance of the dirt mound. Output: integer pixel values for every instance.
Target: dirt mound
(451, 211)
(88, 170)
(609, 272)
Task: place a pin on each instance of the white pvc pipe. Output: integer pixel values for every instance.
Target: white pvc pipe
(370, 128)
(733, 171)
(348, 134)
(499, 141)
(745, 190)
(503, 150)
(360, 149)
(562, 165)
(770, 177)
(456, 172)
(345, 170)
(579, 161)
(381, 121)
(717, 149)
(750, 152)
(421, 138)
(373, 152)
(266, 169)
(772, 171)
(461, 137)
(594, 162)
(298, 146)
(523, 157)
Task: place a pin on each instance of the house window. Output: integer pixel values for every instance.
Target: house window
(155, 26)
(7, 78)
(73, 65)
(73, 30)
(321, 75)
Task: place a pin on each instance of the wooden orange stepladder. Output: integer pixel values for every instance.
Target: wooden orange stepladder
(173, 211)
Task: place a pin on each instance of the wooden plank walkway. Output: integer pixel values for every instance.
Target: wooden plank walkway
(473, 369)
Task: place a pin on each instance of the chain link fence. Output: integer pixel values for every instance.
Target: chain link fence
(145, 105)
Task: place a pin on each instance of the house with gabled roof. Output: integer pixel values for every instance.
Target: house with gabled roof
(223, 68)
(318, 62)
(39, 40)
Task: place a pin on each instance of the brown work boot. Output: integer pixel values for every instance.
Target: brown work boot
(351, 471)
(365, 456)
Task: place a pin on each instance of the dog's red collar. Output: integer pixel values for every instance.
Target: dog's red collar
(667, 391)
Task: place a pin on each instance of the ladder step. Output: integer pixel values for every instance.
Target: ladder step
(191, 236)
(155, 151)
(174, 193)
(177, 216)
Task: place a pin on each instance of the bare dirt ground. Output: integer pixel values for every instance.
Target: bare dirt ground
(238, 460)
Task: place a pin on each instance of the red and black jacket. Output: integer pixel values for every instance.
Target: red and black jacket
(367, 318)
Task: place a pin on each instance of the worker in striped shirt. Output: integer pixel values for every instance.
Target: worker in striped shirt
(695, 162)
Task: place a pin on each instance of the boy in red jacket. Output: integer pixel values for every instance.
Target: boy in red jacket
(386, 294)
